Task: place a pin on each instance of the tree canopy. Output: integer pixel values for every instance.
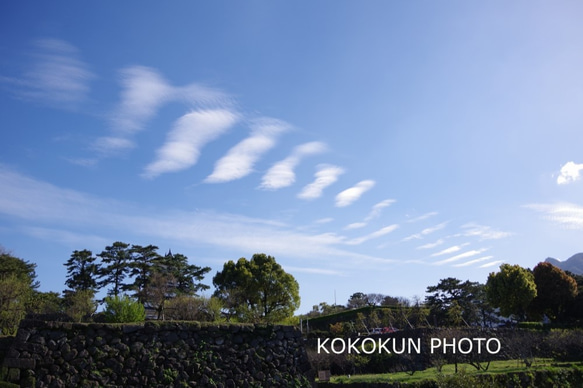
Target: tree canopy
(511, 289)
(257, 289)
(555, 290)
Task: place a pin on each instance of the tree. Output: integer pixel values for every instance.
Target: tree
(511, 289)
(357, 300)
(21, 269)
(82, 271)
(80, 305)
(116, 259)
(453, 302)
(15, 294)
(142, 262)
(17, 285)
(257, 289)
(555, 290)
(123, 309)
(187, 276)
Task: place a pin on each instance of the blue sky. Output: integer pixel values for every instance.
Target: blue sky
(369, 146)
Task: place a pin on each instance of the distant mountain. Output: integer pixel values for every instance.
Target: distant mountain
(573, 263)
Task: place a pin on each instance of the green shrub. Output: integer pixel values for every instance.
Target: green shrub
(531, 325)
(123, 310)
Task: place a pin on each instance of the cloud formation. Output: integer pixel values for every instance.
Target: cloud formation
(460, 256)
(70, 211)
(483, 232)
(349, 196)
(425, 232)
(144, 92)
(282, 173)
(570, 172)
(378, 233)
(57, 76)
(325, 176)
(184, 142)
(565, 214)
(239, 160)
(432, 245)
(449, 250)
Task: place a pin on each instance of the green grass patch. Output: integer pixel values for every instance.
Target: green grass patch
(496, 367)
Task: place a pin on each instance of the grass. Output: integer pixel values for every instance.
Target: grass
(496, 367)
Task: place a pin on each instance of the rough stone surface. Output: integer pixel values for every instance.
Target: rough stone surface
(158, 354)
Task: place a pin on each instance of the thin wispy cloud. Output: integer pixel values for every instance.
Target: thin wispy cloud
(487, 265)
(325, 176)
(375, 212)
(144, 92)
(379, 233)
(567, 215)
(474, 261)
(449, 250)
(315, 271)
(423, 217)
(570, 172)
(184, 142)
(464, 255)
(483, 232)
(239, 160)
(282, 173)
(57, 77)
(355, 225)
(425, 232)
(69, 211)
(349, 196)
(432, 245)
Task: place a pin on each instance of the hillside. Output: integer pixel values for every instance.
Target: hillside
(573, 264)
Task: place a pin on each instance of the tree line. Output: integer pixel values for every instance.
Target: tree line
(138, 279)
(512, 294)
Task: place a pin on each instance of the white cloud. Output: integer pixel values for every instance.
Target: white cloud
(374, 213)
(315, 271)
(324, 220)
(565, 214)
(144, 92)
(325, 176)
(460, 256)
(355, 225)
(423, 217)
(449, 250)
(68, 211)
(381, 232)
(282, 173)
(348, 196)
(57, 77)
(491, 264)
(570, 172)
(239, 160)
(483, 232)
(474, 261)
(431, 245)
(378, 208)
(425, 232)
(112, 144)
(184, 142)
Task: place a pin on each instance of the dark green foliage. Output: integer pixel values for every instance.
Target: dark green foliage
(21, 269)
(115, 259)
(257, 289)
(141, 265)
(82, 271)
(456, 303)
(555, 291)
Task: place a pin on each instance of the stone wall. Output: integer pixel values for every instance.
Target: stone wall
(157, 354)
